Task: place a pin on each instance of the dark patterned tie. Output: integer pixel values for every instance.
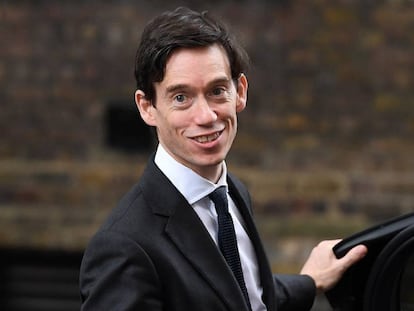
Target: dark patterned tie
(227, 237)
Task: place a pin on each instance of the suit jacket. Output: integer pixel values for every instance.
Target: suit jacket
(154, 253)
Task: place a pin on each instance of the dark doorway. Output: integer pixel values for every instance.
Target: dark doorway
(39, 280)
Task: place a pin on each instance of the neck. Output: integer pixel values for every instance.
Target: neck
(212, 173)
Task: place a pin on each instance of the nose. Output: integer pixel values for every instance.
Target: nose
(203, 112)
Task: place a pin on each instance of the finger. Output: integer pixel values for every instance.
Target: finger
(354, 255)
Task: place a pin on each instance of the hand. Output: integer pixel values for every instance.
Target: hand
(325, 269)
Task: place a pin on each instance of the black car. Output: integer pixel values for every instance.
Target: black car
(384, 279)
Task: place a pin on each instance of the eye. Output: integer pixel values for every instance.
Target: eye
(180, 98)
(218, 91)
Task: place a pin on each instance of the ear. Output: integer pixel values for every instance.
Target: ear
(145, 107)
(242, 86)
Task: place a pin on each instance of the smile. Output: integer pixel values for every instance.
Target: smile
(207, 138)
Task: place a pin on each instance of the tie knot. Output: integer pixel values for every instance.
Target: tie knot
(219, 197)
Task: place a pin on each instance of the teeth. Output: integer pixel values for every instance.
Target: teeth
(207, 138)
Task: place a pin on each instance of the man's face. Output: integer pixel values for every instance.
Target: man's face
(196, 108)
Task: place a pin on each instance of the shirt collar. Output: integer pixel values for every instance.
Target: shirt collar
(191, 185)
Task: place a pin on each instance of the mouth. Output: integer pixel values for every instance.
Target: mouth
(207, 138)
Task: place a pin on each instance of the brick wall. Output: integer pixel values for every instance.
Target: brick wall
(327, 132)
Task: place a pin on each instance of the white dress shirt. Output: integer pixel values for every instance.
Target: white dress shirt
(196, 190)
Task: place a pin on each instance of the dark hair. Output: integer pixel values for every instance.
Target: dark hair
(176, 29)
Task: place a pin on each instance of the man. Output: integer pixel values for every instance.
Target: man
(162, 248)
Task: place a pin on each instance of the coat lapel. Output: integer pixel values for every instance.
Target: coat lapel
(188, 233)
(241, 197)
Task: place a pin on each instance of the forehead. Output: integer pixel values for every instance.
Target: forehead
(197, 65)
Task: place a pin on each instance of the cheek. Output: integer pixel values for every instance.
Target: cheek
(174, 122)
(232, 114)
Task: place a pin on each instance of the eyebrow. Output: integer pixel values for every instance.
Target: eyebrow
(177, 87)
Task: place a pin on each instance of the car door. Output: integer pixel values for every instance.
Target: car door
(384, 279)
